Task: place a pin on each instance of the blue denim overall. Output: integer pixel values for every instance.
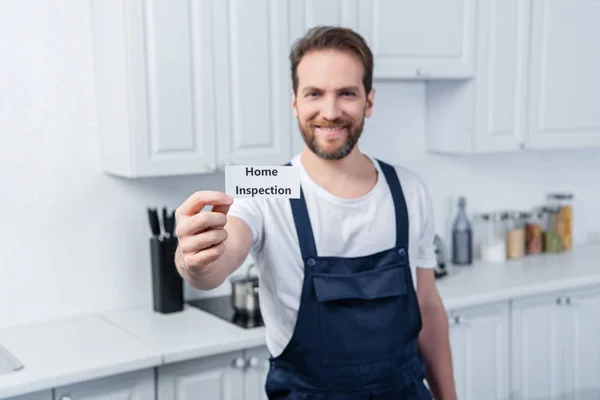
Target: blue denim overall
(358, 322)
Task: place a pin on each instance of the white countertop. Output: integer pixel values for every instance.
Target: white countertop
(482, 283)
(83, 348)
(61, 352)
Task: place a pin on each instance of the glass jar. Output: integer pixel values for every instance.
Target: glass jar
(493, 242)
(564, 219)
(515, 236)
(534, 227)
(552, 238)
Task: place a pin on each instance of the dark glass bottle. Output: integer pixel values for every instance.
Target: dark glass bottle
(462, 236)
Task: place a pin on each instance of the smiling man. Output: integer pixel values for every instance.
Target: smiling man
(347, 288)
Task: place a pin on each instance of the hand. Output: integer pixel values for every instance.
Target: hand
(201, 234)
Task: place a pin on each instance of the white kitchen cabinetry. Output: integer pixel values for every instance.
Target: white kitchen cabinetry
(253, 100)
(137, 385)
(425, 39)
(479, 340)
(155, 86)
(555, 350)
(564, 77)
(485, 114)
(536, 81)
(236, 375)
(43, 395)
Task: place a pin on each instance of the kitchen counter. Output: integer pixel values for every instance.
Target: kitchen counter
(482, 283)
(83, 348)
(61, 352)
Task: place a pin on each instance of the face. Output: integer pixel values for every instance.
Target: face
(331, 103)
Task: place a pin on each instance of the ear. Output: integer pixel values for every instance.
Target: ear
(369, 105)
(294, 105)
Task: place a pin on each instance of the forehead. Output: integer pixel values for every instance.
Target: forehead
(330, 68)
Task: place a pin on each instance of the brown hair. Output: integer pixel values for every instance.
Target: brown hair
(337, 38)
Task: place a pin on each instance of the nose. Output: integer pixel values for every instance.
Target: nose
(330, 110)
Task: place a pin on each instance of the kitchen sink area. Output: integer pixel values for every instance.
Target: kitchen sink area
(8, 362)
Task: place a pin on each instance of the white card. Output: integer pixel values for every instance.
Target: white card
(251, 181)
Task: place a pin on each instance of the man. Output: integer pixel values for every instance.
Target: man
(347, 289)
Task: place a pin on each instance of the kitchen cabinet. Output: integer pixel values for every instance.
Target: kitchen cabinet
(136, 385)
(157, 69)
(564, 83)
(42, 395)
(479, 341)
(536, 82)
(155, 87)
(486, 114)
(555, 348)
(426, 39)
(238, 375)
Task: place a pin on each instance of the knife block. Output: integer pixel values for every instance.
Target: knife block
(167, 284)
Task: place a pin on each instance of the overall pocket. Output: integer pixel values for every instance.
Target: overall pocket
(362, 315)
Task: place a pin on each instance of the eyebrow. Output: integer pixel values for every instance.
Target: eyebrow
(343, 89)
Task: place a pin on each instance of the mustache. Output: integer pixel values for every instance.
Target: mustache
(338, 123)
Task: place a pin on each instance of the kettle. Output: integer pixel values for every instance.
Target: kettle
(244, 293)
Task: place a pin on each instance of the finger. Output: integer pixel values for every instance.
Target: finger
(223, 209)
(202, 241)
(201, 222)
(206, 256)
(197, 201)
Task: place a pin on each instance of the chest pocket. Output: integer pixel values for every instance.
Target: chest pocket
(363, 316)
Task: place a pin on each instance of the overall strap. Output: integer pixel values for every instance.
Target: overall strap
(304, 230)
(402, 230)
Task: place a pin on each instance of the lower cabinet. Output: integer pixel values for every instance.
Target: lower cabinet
(555, 349)
(42, 395)
(479, 340)
(238, 375)
(137, 385)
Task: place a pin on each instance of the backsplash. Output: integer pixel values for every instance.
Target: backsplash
(76, 240)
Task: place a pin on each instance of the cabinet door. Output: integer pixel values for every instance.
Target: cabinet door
(257, 369)
(501, 71)
(537, 342)
(581, 344)
(486, 114)
(564, 78)
(252, 75)
(137, 385)
(218, 377)
(43, 395)
(154, 86)
(479, 340)
(425, 39)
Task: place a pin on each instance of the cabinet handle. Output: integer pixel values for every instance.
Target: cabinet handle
(66, 397)
(568, 301)
(239, 363)
(457, 320)
(253, 362)
(559, 301)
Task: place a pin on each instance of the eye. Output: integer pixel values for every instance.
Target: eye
(347, 93)
(312, 94)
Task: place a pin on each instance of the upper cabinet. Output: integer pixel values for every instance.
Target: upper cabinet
(536, 86)
(564, 83)
(425, 39)
(155, 86)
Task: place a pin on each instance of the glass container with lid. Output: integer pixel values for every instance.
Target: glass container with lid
(564, 218)
(552, 238)
(515, 235)
(493, 242)
(534, 227)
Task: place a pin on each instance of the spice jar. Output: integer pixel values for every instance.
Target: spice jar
(515, 236)
(534, 226)
(563, 221)
(493, 242)
(552, 239)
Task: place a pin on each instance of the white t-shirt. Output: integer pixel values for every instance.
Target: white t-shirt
(341, 227)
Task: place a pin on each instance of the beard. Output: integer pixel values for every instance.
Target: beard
(353, 132)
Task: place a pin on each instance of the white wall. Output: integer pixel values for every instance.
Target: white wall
(74, 240)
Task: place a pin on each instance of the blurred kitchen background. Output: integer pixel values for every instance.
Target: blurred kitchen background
(76, 239)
